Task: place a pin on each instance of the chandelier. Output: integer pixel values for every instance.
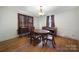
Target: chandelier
(41, 13)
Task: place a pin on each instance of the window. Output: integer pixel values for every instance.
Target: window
(50, 21)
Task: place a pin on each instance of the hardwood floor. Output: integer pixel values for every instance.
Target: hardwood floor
(22, 45)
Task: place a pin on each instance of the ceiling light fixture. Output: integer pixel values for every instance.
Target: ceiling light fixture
(41, 13)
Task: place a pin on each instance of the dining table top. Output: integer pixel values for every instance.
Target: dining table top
(41, 31)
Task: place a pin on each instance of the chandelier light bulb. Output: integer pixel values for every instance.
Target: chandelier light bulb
(41, 13)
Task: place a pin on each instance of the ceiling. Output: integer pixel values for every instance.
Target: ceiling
(48, 10)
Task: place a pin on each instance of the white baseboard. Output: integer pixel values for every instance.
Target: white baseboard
(8, 38)
(67, 37)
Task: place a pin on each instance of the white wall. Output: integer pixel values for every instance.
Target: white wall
(36, 22)
(67, 23)
(39, 22)
(8, 21)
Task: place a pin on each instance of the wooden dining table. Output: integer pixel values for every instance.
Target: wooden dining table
(41, 31)
(43, 35)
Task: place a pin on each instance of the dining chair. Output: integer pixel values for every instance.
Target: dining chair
(51, 38)
(33, 36)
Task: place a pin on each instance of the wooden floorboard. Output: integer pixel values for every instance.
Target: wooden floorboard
(21, 44)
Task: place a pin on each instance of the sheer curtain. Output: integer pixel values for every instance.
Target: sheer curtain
(49, 21)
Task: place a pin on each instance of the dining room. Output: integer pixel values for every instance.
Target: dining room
(39, 28)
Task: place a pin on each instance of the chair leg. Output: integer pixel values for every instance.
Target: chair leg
(43, 43)
(53, 42)
(46, 42)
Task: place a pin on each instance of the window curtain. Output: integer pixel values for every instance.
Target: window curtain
(52, 21)
(47, 21)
